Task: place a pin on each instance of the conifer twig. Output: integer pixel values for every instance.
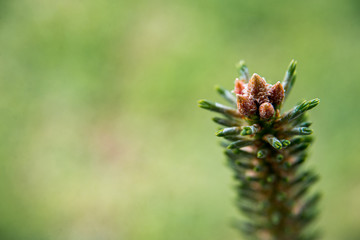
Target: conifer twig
(266, 151)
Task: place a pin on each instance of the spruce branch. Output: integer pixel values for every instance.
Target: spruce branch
(266, 150)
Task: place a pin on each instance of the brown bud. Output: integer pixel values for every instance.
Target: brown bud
(266, 111)
(256, 85)
(239, 86)
(246, 106)
(276, 93)
(257, 89)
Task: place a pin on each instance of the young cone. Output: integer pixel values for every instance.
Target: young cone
(266, 152)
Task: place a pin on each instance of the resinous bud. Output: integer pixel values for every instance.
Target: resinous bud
(276, 93)
(256, 85)
(257, 88)
(239, 86)
(266, 111)
(246, 106)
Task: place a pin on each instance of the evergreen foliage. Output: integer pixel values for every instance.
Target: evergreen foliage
(266, 149)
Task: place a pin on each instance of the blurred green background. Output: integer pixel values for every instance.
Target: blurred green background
(101, 136)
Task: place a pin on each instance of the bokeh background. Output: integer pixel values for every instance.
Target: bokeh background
(101, 136)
